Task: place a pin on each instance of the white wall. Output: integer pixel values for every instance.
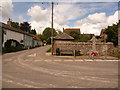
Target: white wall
(28, 41)
(12, 35)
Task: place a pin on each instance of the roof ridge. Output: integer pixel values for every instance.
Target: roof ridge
(63, 36)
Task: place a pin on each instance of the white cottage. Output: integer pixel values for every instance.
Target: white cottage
(24, 38)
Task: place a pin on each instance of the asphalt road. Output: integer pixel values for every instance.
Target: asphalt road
(34, 69)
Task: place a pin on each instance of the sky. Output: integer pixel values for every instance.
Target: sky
(89, 16)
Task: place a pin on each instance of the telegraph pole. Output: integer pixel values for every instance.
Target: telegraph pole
(52, 28)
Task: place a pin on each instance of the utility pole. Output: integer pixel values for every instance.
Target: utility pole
(119, 39)
(52, 29)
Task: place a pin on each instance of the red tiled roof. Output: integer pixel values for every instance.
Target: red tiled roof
(72, 29)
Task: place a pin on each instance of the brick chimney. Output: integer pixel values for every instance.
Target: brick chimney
(9, 22)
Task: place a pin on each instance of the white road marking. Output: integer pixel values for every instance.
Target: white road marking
(79, 60)
(25, 82)
(38, 60)
(57, 60)
(18, 83)
(47, 60)
(76, 60)
(32, 55)
(8, 59)
(68, 60)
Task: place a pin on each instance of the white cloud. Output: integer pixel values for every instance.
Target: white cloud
(97, 17)
(64, 12)
(95, 22)
(21, 19)
(113, 18)
(39, 25)
(6, 8)
(41, 18)
(38, 14)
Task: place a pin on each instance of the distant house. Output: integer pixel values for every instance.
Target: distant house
(102, 35)
(23, 38)
(61, 37)
(68, 30)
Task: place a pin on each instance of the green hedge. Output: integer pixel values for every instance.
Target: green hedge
(10, 48)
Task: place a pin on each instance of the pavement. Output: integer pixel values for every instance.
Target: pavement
(34, 68)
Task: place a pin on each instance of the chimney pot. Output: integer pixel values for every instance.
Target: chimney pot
(9, 22)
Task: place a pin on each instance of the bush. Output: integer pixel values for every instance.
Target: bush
(12, 48)
(116, 52)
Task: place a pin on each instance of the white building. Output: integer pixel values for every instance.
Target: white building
(24, 38)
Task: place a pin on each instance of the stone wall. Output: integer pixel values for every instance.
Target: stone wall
(85, 47)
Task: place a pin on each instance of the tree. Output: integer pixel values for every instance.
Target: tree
(33, 31)
(25, 26)
(47, 33)
(85, 37)
(40, 36)
(75, 35)
(112, 32)
(15, 25)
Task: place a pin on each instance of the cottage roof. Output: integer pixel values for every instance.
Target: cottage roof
(102, 32)
(64, 36)
(17, 30)
(68, 30)
(72, 29)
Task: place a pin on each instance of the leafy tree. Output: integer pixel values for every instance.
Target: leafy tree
(15, 25)
(47, 33)
(75, 35)
(112, 32)
(40, 36)
(25, 26)
(85, 37)
(33, 31)
(80, 37)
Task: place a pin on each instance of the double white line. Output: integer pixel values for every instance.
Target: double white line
(79, 60)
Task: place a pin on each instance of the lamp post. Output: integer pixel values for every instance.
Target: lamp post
(52, 29)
